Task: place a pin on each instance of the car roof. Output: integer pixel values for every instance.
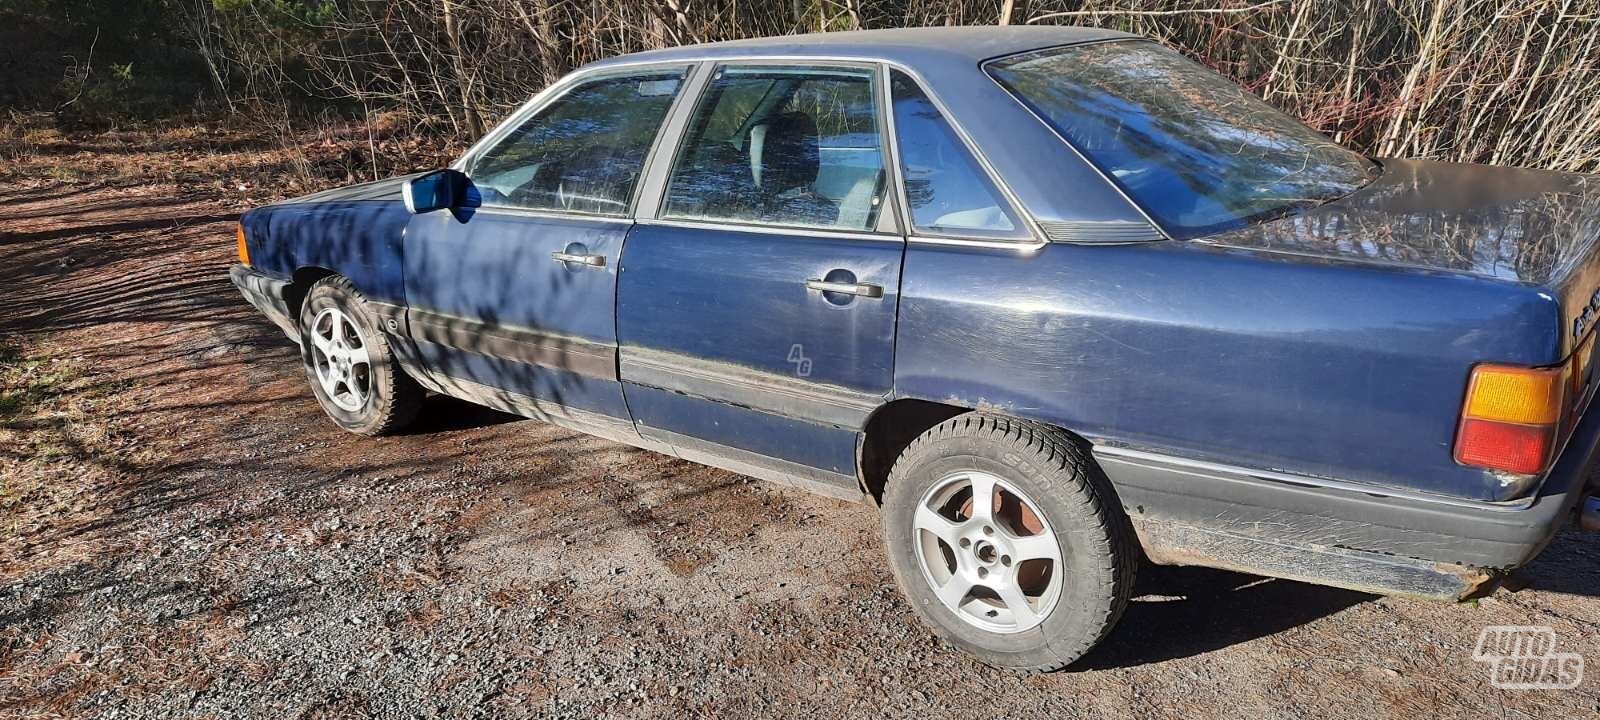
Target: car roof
(912, 47)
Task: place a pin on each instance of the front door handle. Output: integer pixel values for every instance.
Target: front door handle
(581, 259)
(847, 288)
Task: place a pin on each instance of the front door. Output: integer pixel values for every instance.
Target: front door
(756, 309)
(512, 302)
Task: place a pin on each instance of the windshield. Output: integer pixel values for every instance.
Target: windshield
(1195, 151)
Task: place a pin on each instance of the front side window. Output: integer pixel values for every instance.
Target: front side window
(1197, 152)
(782, 145)
(582, 153)
(946, 190)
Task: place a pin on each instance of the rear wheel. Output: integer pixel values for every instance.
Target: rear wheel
(351, 367)
(1008, 541)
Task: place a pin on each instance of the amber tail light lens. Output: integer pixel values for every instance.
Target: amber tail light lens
(244, 249)
(1512, 417)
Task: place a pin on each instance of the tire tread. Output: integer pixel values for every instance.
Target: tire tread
(1059, 451)
(404, 396)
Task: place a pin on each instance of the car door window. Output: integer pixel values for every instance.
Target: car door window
(946, 190)
(793, 146)
(582, 153)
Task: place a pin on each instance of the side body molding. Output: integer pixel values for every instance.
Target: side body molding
(523, 345)
(741, 385)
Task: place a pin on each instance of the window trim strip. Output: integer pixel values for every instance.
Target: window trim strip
(653, 195)
(679, 129)
(549, 96)
(769, 229)
(1028, 236)
(653, 181)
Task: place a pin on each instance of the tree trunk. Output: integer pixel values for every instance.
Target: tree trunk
(452, 33)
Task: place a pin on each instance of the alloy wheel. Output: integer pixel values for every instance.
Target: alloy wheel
(987, 552)
(339, 356)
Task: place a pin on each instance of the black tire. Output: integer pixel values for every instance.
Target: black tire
(1098, 551)
(393, 398)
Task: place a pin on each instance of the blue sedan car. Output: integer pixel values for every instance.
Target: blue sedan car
(1057, 299)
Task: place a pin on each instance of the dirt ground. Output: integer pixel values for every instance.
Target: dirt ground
(182, 534)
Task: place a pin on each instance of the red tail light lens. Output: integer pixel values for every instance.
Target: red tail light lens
(1511, 417)
(1513, 448)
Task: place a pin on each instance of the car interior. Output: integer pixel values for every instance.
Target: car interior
(776, 148)
(584, 153)
(779, 162)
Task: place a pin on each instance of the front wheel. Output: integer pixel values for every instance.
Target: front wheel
(1008, 540)
(351, 367)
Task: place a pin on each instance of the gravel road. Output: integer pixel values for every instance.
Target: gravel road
(185, 535)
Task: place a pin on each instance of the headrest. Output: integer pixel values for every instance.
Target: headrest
(783, 152)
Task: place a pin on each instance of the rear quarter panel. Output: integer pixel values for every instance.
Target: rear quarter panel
(1319, 368)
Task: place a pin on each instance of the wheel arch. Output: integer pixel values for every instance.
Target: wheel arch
(886, 434)
(892, 426)
(300, 282)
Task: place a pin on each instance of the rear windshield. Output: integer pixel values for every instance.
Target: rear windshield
(1195, 151)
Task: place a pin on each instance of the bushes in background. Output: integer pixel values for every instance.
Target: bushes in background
(1504, 81)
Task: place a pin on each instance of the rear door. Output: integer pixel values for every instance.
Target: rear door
(512, 303)
(756, 305)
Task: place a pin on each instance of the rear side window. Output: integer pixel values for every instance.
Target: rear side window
(782, 145)
(946, 190)
(1195, 151)
(582, 153)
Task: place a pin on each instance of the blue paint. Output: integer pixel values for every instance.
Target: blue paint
(1253, 359)
(818, 446)
(1333, 342)
(494, 268)
(360, 240)
(550, 386)
(739, 298)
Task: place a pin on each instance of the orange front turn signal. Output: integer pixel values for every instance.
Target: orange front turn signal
(244, 249)
(1510, 417)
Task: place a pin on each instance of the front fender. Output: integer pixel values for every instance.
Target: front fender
(362, 241)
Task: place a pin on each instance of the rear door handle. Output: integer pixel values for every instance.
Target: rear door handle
(590, 260)
(847, 288)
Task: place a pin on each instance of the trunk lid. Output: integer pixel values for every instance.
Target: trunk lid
(1532, 227)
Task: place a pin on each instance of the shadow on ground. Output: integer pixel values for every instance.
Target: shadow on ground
(446, 414)
(1179, 612)
(258, 522)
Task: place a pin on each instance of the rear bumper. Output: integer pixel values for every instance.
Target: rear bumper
(266, 294)
(1339, 533)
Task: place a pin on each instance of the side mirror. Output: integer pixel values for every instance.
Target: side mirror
(437, 190)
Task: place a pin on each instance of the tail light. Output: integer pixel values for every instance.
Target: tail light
(1512, 417)
(244, 249)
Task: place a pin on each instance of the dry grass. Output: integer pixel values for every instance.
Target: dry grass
(1506, 82)
(57, 452)
(248, 161)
